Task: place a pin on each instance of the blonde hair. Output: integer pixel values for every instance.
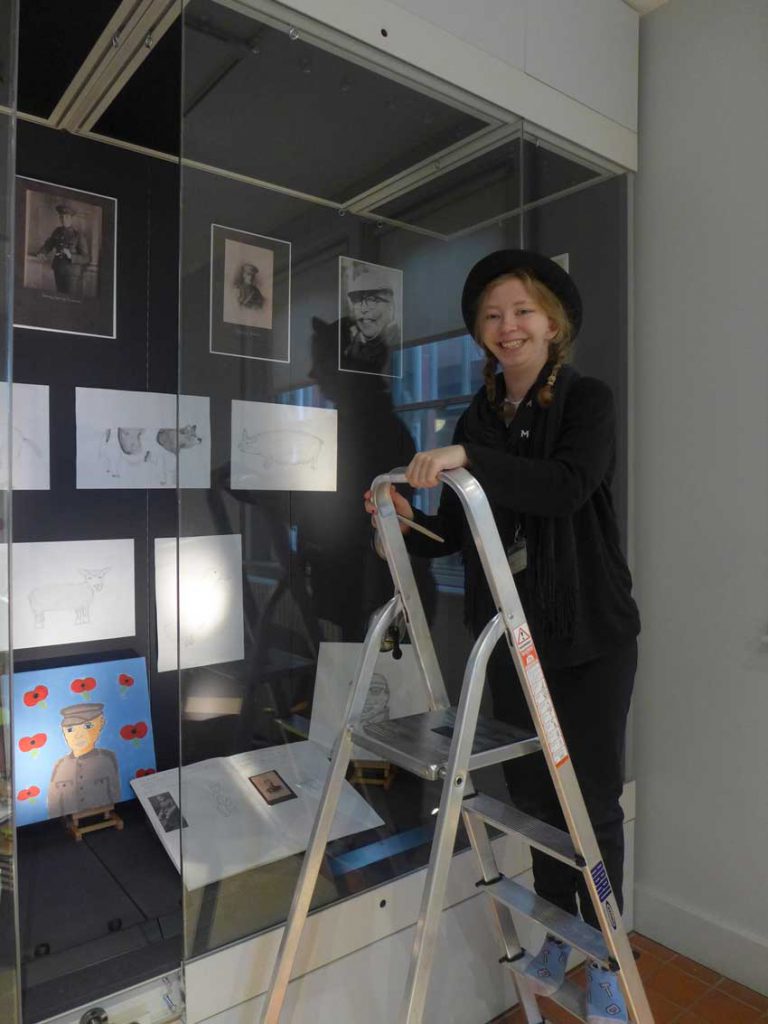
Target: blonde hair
(559, 346)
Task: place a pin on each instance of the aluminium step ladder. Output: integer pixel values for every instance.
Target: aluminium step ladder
(446, 743)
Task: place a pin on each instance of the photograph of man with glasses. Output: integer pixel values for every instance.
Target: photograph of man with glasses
(370, 317)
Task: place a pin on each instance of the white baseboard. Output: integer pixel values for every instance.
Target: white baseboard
(716, 943)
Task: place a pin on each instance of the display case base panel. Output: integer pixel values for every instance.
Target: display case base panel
(95, 916)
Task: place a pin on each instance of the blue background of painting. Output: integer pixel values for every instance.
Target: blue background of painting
(122, 706)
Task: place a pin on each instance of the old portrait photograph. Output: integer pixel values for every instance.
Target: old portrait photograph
(272, 787)
(167, 812)
(65, 259)
(250, 295)
(370, 318)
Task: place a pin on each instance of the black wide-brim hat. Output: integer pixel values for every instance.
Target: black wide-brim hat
(504, 261)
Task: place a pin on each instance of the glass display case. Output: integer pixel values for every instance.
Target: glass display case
(9, 978)
(226, 324)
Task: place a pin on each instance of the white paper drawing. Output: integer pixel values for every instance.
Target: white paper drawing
(210, 594)
(283, 447)
(394, 692)
(131, 439)
(72, 592)
(227, 827)
(28, 451)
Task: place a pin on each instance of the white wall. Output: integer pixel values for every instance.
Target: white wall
(701, 483)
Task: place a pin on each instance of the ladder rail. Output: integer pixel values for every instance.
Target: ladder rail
(454, 787)
(313, 857)
(480, 841)
(400, 568)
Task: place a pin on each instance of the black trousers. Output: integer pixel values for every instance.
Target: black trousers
(592, 702)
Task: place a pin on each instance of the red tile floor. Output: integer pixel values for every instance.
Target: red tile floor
(680, 991)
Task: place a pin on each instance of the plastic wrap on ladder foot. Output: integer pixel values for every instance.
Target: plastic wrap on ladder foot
(605, 1000)
(546, 972)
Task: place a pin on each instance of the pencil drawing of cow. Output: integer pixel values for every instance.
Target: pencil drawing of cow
(62, 597)
(129, 446)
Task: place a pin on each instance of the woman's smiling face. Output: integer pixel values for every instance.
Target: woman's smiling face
(513, 326)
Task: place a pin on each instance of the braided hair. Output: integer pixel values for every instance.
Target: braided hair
(559, 346)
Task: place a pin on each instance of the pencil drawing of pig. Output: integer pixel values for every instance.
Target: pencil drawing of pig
(133, 446)
(62, 597)
(282, 447)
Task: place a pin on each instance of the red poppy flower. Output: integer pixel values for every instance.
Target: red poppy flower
(125, 680)
(145, 771)
(83, 685)
(27, 743)
(36, 696)
(134, 732)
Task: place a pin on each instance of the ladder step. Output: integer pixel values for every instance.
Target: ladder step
(507, 818)
(570, 929)
(421, 743)
(569, 995)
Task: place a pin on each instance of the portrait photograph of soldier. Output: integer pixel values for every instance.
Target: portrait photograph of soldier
(248, 284)
(65, 266)
(370, 318)
(167, 811)
(250, 294)
(89, 775)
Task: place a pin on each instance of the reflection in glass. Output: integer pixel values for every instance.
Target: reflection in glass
(9, 992)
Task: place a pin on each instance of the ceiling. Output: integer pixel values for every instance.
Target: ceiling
(340, 133)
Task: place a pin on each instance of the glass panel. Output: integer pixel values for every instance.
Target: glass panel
(94, 417)
(9, 944)
(588, 227)
(487, 188)
(333, 129)
(331, 346)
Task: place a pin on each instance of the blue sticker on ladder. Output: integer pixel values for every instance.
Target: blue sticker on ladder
(600, 878)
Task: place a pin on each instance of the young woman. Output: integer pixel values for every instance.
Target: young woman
(540, 439)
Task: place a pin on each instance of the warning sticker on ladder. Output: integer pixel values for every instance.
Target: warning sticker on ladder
(523, 638)
(553, 736)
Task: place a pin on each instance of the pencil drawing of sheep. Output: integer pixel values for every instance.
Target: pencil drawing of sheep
(62, 597)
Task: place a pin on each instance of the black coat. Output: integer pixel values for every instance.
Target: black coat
(567, 493)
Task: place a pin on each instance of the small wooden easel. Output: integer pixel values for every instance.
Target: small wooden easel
(372, 773)
(109, 819)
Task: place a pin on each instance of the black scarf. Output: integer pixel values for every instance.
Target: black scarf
(551, 579)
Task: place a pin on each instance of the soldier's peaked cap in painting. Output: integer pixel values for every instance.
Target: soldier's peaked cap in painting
(79, 714)
(64, 208)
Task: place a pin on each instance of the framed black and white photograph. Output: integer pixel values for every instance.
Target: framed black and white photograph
(65, 259)
(250, 295)
(370, 318)
(272, 787)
